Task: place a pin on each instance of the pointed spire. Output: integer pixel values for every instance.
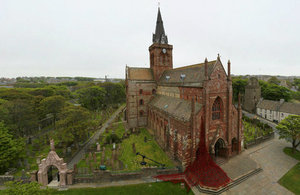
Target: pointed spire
(228, 70)
(159, 36)
(205, 69)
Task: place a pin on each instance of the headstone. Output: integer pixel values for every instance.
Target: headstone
(98, 147)
(145, 139)
(114, 146)
(126, 166)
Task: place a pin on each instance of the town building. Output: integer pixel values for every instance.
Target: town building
(276, 110)
(170, 102)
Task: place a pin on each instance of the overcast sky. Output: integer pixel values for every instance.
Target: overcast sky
(96, 38)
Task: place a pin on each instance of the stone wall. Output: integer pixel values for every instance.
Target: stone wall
(6, 178)
(99, 176)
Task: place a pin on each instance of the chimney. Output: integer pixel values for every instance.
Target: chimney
(228, 70)
(205, 66)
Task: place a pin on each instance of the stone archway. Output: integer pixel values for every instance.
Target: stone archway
(52, 160)
(220, 148)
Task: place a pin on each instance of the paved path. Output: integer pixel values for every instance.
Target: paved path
(274, 162)
(93, 139)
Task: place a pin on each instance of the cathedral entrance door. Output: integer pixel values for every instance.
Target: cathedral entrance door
(219, 148)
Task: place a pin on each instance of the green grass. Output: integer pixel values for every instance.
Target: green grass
(160, 188)
(291, 180)
(126, 154)
(150, 149)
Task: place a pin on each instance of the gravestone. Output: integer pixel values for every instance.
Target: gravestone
(98, 147)
(114, 146)
(145, 139)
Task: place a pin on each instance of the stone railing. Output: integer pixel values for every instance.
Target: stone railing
(259, 140)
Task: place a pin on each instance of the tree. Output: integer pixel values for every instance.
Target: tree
(73, 127)
(289, 129)
(53, 105)
(10, 148)
(19, 117)
(274, 92)
(274, 80)
(238, 86)
(115, 93)
(32, 188)
(92, 98)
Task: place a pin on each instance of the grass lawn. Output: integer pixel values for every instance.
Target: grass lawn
(150, 188)
(291, 180)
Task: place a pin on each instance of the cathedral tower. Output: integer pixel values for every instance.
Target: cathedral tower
(161, 58)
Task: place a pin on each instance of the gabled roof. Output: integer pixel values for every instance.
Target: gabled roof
(268, 105)
(178, 108)
(142, 74)
(194, 75)
(292, 108)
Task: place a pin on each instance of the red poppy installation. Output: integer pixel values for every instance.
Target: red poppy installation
(203, 171)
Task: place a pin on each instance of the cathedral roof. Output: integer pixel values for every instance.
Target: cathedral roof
(178, 108)
(144, 74)
(192, 75)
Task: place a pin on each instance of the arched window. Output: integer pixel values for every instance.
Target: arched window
(141, 112)
(141, 102)
(141, 91)
(216, 109)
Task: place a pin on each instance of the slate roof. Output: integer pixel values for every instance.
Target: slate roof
(178, 108)
(287, 107)
(143, 74)
(268, 104)
(194, 75)
(292, 108)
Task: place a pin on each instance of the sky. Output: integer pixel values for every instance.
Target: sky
(95, 38)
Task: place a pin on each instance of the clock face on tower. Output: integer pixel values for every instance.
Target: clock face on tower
(164, 50)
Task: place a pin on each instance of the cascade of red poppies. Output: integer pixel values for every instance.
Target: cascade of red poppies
(203, 171)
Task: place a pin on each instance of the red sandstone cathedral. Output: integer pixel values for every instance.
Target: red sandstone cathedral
(170, 102)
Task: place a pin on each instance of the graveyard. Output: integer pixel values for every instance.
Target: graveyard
(116, 151)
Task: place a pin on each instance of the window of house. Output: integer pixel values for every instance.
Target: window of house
(216, 109)
(141, 91)
(141, 102)
(153, 91)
